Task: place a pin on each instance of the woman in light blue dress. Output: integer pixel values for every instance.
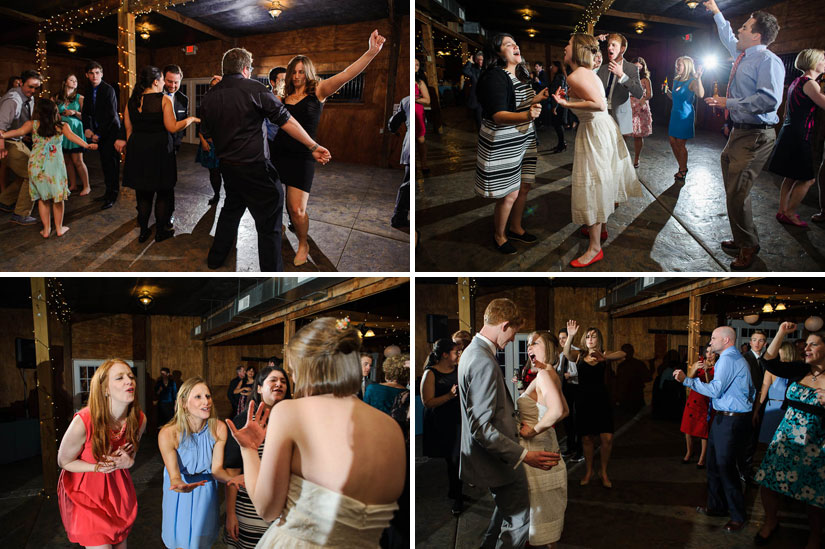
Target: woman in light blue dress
(687, 86)
(773, 395)
(191, 509)
(70, 103)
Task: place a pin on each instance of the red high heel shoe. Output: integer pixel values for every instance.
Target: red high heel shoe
(578, 264)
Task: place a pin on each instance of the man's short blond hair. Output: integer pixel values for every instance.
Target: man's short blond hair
(502, 310)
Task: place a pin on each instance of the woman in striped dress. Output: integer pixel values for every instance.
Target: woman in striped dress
(506, 165)
(243, 525)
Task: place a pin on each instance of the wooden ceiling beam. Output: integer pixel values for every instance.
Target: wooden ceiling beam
(197, 25)
(423, 17)
(19, 15)
(655, 19)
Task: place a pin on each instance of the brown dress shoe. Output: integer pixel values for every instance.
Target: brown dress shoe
(729, 245)
(732, 526)
(745, 258)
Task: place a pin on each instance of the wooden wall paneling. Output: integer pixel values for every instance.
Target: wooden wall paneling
(103, 336)
(45, 385)
(437, 299)
(223, 359)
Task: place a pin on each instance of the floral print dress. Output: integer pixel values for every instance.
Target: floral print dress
(794, 464)
(47, 172)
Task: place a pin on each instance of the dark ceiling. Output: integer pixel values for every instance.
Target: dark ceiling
(235, 18)
(556, 20)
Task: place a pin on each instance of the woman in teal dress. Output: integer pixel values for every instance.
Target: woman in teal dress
(397, 374)
(794, 464)
(191, 510)
(47, 172)
(70, 103)
(687, 85)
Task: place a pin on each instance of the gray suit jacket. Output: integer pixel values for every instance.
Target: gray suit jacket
(620, 105)
(489, 427)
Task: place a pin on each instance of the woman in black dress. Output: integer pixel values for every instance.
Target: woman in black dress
(305, 96)
(792, 156)
(442, 413)
(594, 412)
(150, 166)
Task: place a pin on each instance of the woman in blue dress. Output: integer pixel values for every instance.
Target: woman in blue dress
(191, 510)
(70, 103)
(794, 464)
(687, 86)
(772, 396)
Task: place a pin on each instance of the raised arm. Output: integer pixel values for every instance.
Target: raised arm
(267, 480)
(723, 27)
(331, 85)
(696, 86)
(571, 354)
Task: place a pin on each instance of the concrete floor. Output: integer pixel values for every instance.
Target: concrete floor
(349, 209)
(652, 503)
(672, 227)
(31, 521)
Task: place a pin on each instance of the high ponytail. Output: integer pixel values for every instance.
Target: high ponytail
(147, 76)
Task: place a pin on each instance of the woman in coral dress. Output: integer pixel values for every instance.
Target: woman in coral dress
(95, 490)
(695, 420)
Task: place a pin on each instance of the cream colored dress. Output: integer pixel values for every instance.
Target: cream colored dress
(315, 516)
(548, 489)
(603, 172)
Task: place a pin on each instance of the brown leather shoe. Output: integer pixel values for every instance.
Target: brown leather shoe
(745, 259)
(732, 526)
(730, 245)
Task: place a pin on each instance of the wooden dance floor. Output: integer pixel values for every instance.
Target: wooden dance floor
(672, 227)
(349, 209)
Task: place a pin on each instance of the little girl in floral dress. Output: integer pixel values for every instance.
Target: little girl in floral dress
(47, 171)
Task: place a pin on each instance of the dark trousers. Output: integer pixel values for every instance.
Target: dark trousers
(476, 112)
(163, 207)
(726, 445)
(254, 186)
(574, 439)
(215, 180)
(456, 486)
(402, 199)
(110, 162)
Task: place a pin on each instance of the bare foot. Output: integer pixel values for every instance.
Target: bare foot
(767, 529)
(62, 230)
(606, 481)
(72, 189)
(301, 255)
(585, 481)
(45, 233)
(85, 191)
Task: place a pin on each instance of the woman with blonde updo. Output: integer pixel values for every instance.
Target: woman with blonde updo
(95, 490)
(687, 85)
(603, 173)
(316, 474)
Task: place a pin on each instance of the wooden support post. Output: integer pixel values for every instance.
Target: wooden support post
(694, 326)
(465, 321)
(126, 56)
(429, 48)
(392, 78)
(289, 331)
(45, 385)
(42, 63)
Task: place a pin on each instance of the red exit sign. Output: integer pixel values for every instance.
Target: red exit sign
(687, 37)
(190, 50)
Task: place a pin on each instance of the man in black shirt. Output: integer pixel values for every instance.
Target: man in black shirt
(233, 114)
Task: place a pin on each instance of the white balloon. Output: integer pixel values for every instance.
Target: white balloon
(813, 324)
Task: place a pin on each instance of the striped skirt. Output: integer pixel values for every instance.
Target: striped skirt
(506, 158)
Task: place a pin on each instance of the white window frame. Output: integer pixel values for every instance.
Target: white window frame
(77, 363)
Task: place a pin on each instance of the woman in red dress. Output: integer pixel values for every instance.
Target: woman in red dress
(95, 490)
(695, 421)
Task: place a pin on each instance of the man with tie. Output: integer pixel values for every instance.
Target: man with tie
(754, 94)
(621, 80)
(732, 395)
(101, 125)
(16, 108)
(172, 76)
(366, 366)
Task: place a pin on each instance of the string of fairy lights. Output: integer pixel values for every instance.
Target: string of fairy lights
(594, 10)
(72, 19)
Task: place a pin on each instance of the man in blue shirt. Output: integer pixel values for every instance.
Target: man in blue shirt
(754, 94)
(732, 394)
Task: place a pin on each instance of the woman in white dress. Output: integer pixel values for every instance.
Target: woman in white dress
(603, 173)
(540, 407)
(322, 478)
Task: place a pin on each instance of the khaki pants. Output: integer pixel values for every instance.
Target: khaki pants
(17, 192)
(742, 161)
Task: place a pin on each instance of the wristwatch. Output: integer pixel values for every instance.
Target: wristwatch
(312, 149)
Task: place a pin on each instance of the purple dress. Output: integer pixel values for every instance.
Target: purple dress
(792, 156)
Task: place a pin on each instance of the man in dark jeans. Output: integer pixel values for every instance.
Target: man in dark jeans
(233, 114)
(101, 125)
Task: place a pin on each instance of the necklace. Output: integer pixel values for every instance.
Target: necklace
(814, 376)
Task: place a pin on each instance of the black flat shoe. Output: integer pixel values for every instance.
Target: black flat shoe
(760, 541)
(523, 237)
(144, 235)
(160, 236)
(507, 248)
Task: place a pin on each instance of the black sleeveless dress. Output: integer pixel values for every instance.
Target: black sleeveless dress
(294, 162)
(150, 155)
(442, 425)
(792, 156)
(594, 414)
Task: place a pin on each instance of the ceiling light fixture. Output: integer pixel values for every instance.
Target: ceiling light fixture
(639, 28)
(275, 10)
(144, 33)
(532, 33)
(692, 4)
(145, 299)
(72, 48)
(369, 333)
(780, 307)
(527, 14)
(767, 308)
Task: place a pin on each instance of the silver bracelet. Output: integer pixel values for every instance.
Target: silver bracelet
(312, 149)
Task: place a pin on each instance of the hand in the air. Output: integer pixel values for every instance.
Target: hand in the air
(572, 328)
(787, 328)
(254, 432)
(376, 41)
(679, 376)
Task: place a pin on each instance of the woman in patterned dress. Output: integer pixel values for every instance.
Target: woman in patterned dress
(695, 421)
(642, 119)
(794, 464)
(792, 155)
(506, 164)
(47, 170)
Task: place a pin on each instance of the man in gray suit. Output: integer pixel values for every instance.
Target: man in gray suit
(621, 80)
(491, 456)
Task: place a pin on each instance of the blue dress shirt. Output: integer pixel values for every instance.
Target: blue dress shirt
(731, 387)
(757, 87)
